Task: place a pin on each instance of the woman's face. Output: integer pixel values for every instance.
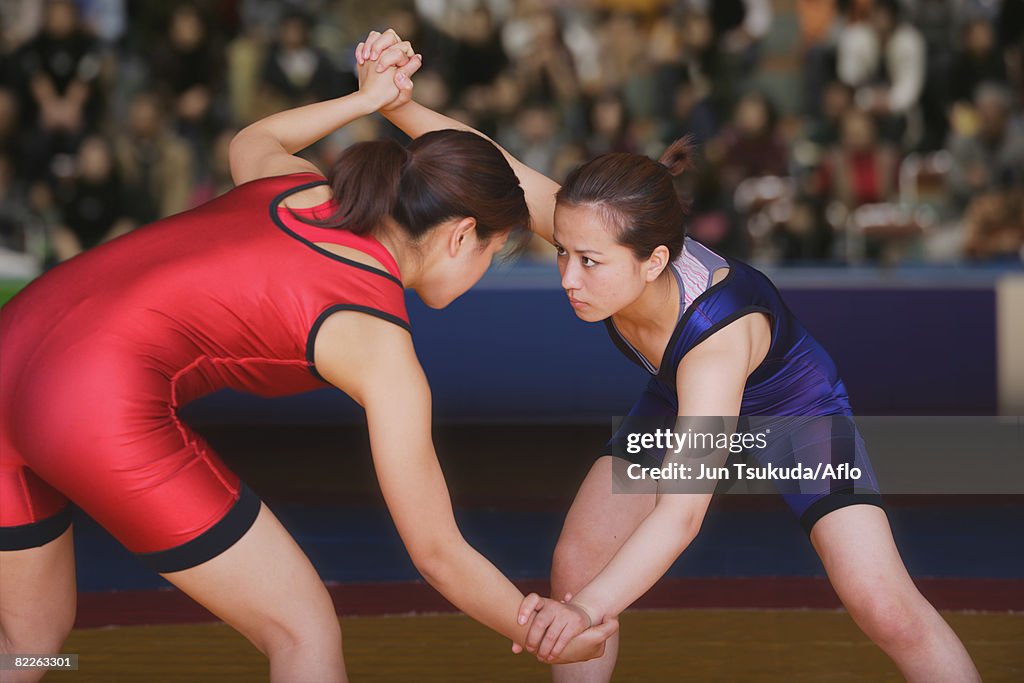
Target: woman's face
(600, 276)
(454, 260)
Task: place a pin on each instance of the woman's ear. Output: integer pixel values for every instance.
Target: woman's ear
(656, 263)
(461, 231)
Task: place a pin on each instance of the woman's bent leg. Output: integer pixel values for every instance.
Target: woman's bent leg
(266, 588)
(37, 602)
(856, 546)
(597, 525)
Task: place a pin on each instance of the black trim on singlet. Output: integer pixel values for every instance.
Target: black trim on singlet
(623, 347)
(311, 337)
(733, 317)
(212, 542)
(35, 534)
(676, 333)
(312, 245)
(619, 342)
(835, 501)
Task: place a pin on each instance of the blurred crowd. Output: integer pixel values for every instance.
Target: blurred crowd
(828, 131)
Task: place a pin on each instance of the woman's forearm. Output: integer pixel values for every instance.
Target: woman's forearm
(296, 129)
(375, 363)
(475, 586)
(414, 120)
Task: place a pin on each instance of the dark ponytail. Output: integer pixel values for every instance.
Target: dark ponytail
(678, 158)
(637, 195)
(364, 182)
(442, 175)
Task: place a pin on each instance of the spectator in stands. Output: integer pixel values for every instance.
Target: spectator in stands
(941, 25)
(10, 123)
(835, 102)
(670, 62)
(543, 64)
(806, 235)
(609, 126)
(296, 72)
(477, 55)
(677, 67)
(994, 224)
(692, 113)
(860, 170)
(622, 48)
(884, 60)
(979, 61)
(55, 75)
(505, 98)
(948, 98)
(154, 160)
(987, 149)
(535, 136)
(1010, 26)
(94, 204)
(14, 207)
(189, 67)
(737, 28)
(751, 145)
(818, 22)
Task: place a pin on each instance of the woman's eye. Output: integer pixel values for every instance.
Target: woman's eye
(588, 262)
(560, 251)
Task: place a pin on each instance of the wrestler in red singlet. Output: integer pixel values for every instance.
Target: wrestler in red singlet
(99, 355)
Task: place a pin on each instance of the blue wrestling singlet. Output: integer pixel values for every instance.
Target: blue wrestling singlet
(790, 393)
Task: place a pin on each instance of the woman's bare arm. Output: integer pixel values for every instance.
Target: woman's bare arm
(373, 361)
(384, 51)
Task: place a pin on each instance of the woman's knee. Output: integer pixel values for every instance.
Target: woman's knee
(311, 630)
(44, 636)
(890, 617)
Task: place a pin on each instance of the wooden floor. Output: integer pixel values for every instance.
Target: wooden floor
(678, 645)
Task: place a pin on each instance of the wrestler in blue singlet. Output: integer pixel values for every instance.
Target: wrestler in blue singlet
(797, 380)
